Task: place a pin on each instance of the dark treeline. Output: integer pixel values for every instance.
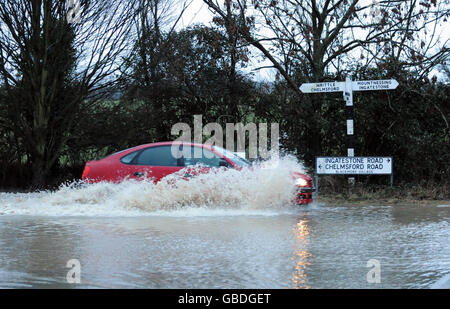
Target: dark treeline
(126, 73)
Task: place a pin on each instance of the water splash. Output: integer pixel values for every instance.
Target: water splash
(264, 190)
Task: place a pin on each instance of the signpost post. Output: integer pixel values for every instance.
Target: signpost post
(347, 89)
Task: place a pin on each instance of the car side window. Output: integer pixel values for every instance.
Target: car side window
(129, 157)
(199, 157)
(156, 156)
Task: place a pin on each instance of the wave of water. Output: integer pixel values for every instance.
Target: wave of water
(265, 190)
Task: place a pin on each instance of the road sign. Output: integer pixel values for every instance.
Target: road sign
(365, 85)
(354, 165)
(322, 87)
(347, 89)
(356, 85)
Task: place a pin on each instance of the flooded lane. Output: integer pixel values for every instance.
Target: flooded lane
(317, 246)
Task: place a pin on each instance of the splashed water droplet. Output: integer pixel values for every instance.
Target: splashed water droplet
(264, 189)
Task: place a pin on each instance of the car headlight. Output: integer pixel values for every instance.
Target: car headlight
(301, 182)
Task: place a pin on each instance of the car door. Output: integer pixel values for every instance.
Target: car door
(154, 162)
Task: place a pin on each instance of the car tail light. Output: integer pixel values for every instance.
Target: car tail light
(85, 172)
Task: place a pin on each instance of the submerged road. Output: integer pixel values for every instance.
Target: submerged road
(317, 246)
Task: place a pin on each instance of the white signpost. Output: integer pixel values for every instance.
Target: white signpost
(359, 85)
(347, 89)
(365, 85)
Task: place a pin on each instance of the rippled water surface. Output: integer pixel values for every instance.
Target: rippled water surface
(233, 230)
(318, 246)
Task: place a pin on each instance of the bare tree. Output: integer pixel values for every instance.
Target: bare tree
(416, 40)
(153, 17)
(320, 36)
(324, 32)
(145, 78)
(50, 66)
(243, 22)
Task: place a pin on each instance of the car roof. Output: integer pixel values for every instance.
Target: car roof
(169, 143)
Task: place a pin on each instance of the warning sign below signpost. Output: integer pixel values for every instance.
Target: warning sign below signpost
(353, 166)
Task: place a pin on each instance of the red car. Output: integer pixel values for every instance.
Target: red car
(158, 160)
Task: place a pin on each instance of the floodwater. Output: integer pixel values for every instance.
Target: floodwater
(140, 235)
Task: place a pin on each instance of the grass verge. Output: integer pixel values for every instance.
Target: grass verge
(429, 194)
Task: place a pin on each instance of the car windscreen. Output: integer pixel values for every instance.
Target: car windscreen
(239, 161)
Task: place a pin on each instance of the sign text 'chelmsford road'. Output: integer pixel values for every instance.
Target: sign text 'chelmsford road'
(354, 165)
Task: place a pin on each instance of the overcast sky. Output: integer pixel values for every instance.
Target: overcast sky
(198, 13)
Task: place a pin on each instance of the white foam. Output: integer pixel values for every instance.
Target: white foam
(260, 191)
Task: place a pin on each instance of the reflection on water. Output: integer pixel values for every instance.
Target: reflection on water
(302, 256)
(318, 246)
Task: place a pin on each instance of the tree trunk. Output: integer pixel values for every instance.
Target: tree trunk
(39, 171)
